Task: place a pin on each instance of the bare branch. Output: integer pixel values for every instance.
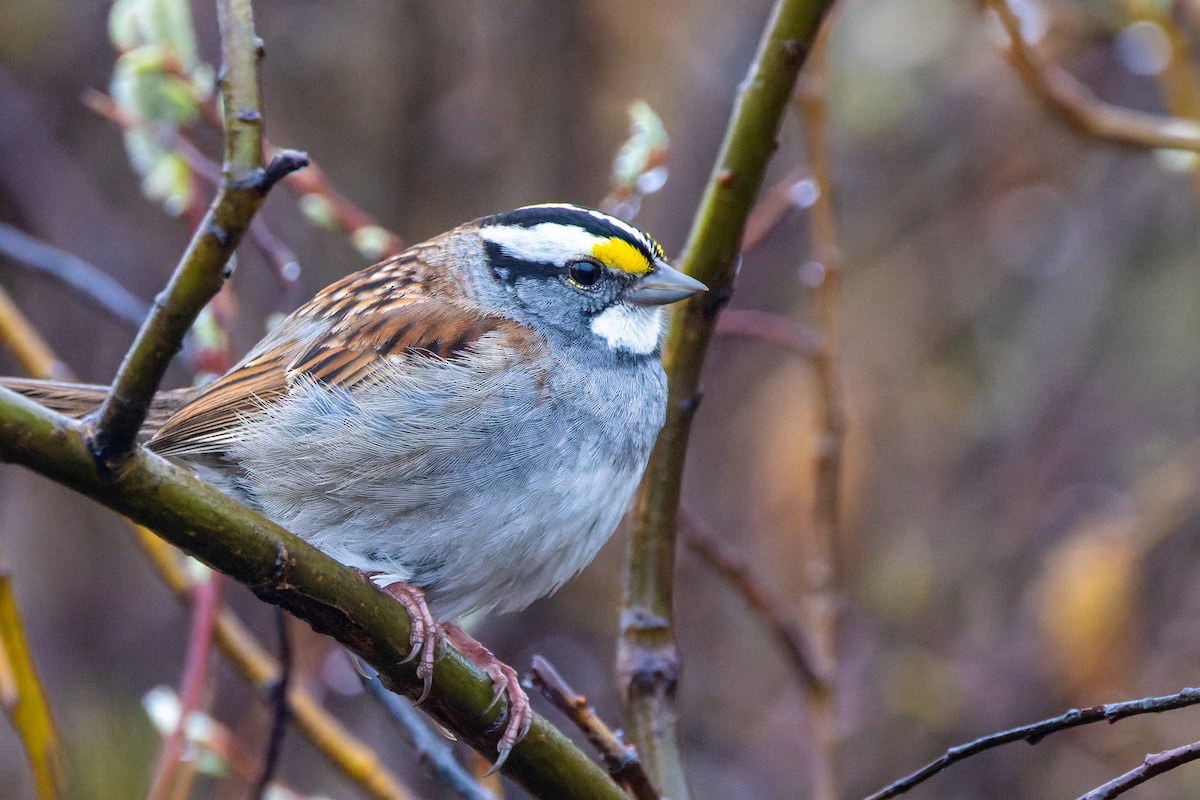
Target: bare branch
(791, 638)
(774, 329)
(1152, 765)
(1037, 731)
(431, 748)
(1065, 96)
(82, 277)
(620, 759)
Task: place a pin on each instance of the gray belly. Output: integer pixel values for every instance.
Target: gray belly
(481, 490)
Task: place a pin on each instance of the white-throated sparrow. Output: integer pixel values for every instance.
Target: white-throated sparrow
(468, 419)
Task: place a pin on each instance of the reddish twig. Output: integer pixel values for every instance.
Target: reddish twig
(343, 215)
(207, 603)
(284, 264)
(733, 569)
(771, 208)
(771, 328)
(619, 759)
(1037, 731)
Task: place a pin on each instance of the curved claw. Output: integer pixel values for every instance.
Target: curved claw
(506, 682)
(425, 633)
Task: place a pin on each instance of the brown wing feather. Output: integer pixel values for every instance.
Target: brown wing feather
(374, 318)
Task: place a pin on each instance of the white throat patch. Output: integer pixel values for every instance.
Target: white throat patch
(633, 328)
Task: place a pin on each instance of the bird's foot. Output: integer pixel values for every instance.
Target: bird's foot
(425, 631)
(505, 681)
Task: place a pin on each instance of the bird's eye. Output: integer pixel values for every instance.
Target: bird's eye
(583, 273)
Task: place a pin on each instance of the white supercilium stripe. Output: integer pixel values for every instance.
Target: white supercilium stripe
(544, 243)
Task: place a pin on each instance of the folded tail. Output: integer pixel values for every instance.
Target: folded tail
(77, 399)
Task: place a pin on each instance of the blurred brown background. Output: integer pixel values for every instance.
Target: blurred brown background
(1019, 321)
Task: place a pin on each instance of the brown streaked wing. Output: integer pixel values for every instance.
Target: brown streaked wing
(205, 425)
(351, 353)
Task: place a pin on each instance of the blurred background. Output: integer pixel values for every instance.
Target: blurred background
(1018, 330)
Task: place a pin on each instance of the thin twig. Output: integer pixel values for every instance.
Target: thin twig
(32, 352)
(774, 329)
(648, 660)
(201, 269)
(170, 775)
(279, 708)
(770, 209)
(702, 541)
(1075, 104)
(820, 568)
(82, 277)
(620, 759)
(249, 658)
(279, 256)
(25, 701)
(430, 747)
(338, 213)
(1037, 731)
(1152, 765)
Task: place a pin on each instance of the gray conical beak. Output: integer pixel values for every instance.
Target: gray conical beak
(664, 285)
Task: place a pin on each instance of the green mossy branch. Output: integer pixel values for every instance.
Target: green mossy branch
(283, 570)
(647, 655)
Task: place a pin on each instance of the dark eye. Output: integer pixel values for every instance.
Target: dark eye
(583, 273)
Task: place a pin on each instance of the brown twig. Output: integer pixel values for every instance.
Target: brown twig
(1152, 765)
(619, 759)
(648, 661)
(702, 541)
(1075, 104)
(283, 262)
(820, 568)
(1035, 732)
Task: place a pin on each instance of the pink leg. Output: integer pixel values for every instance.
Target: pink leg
(505, 680)
(425, 629)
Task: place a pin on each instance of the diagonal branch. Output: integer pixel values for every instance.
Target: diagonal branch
(1065, 96)
(1035, 732)
(647, 656)
(201, 270)
(1152, 765)
(80, 276)
(287, 572)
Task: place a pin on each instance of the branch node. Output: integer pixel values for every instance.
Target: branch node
(282, 164)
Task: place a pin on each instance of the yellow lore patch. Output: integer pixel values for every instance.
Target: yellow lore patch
(620, 254)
